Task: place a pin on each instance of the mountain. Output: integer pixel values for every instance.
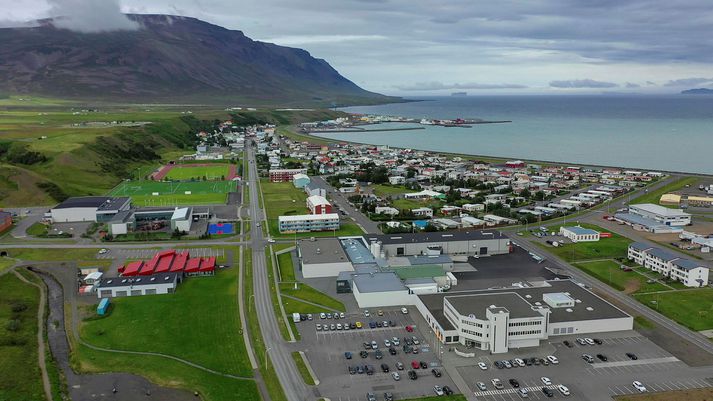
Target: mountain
(168, 59)
(698, 91)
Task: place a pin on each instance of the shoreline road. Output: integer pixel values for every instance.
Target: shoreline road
(276, 348)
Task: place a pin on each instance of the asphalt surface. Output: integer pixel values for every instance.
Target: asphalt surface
(339, 199)
(276, 348)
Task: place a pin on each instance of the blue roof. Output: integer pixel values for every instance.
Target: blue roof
(662, 254)
(357, 252)
(686, 264)
(581, 230)
(429, 260)
(420, 223)
(642, 221)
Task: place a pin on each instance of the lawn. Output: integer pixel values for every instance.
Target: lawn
(287, 270)
(414, 204)
(655, 196)
(295, 306)
(37, 229)
(188, 172)
(309, 294)
(605, 248)
(20, 377)
(699, 394)
(608, 271)
(691, 308)
(302, 368)
(6, 263)
(199, 323)
(174, 194)
(283, 199)
(384, 190)
(55, 254)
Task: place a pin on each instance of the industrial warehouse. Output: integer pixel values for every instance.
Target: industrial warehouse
(472, 288)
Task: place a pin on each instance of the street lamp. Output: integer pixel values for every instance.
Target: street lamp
(266, 352)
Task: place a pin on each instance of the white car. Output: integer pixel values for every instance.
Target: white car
(553, 359)
(387, 343)
(519, 362)
(103, 251)
(481, 386)
(366, 313)
(438, 390)
(523, 392)
(589, 341)
(639, 386)
(342, 315)
(404, 311)
(396, 376)
(546, 381)
(339, 326)
(322, 315)
(482, 366)
(395, 341)
(563, 389)
(497, 383)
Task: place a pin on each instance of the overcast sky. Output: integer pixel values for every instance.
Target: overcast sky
(413, 47)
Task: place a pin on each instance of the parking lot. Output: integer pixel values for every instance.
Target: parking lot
(657, 369)
(325, 351)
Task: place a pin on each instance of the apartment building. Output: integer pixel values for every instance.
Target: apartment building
(689, 272)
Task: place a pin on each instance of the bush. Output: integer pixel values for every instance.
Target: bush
(13, 325)
(19, 307)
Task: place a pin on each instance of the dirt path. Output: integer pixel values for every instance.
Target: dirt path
(40, 335)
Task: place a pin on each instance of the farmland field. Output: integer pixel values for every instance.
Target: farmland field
(174, 193)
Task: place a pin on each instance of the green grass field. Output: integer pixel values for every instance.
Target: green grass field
(655, 196)
(20, 377)
(188, 172)
(307, 293)
(384, 190)
(608, 271)
(605, 248)
(6, 263)
(282, 199)
(287, 270)
(174, 194)
(691, 308)
(199, 323)
(302, 368)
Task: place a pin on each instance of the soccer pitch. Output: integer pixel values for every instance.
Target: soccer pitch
(187, 172)
(155, 193)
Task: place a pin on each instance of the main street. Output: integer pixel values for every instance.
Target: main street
(276, 348)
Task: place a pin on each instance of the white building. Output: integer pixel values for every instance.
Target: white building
(579, 234)
(689, 272)
(318, 205)
(386, 210)
(89, 208)
(422, 212)
(162, 283)
(322, 257)
(425, 194)
(474, 207)
(397, 180)
(664, 215)
(308, 222)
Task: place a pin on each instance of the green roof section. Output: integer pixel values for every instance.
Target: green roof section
(423, 271)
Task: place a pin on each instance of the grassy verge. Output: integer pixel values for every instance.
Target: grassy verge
(54, 254)
(307, 293)
(274, 295)
(287, 269)
(655, 196)
(384, 190)
(609, 271)
(302, 368)
(6, 263)
(605, 248)
(691, 308)
(699, 394)
(267, 371)
(644, 323)
(20, 377)
(37, 230)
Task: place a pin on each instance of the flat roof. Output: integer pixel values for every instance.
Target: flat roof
(307, 217)
(321, 250)
(447, 236)
(640, 220)
(378, 282)
(428, 260)
(357, 252)
(581, 230)
(423, 271)
(478, 304)
(660, 210)
(587, 305)
(162, 278)
(99, 202)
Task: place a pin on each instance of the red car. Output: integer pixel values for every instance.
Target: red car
(409, 328)
(415, 365)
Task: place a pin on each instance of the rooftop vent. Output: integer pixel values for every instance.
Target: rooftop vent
(138, 279)
(153, 278)
(492, 306)
(109, 282)
(166, 278)
(123, 281)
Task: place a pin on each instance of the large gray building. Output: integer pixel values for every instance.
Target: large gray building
(467, 243)
(89, 208)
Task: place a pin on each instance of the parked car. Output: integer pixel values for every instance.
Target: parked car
(318, 327)
(387, 343)
(519, 362)
(380, 312)
(358, 325)
(342, 315)
(322, 315)
(588, 358)
(546, 381)
(363, 354)
(392, 351)
(523, 393)
(348, 355)
(378, 354)
(412, 375)
(482, 366)
(332, 326)
(499, 364)
(374, 345)
(379, 324)
(507, 364)
(424, 365)
(639, 386)
(548, 392)
(388, 397)
(395, 341)
(369, 370)
(514, 383)
(399, 366)
(360, 369)
(447, 390)
(602, 357)
(581, 341)
(632, 356)
(497, 383)
(366, 313)
(329, 315)
(567, 344)
(553, 359)
(481, 386)
(385, 368)
(589, 341)
(396, 376)
(438, 390)
(352, 370)
(404, 311)
(415, 340)
(436, 372)
(598, 341)
(415, 365)
(339, 326)
(409, 329)
(563, 389)
(370, 397)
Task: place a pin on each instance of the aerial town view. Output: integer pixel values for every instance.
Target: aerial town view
(502, 202)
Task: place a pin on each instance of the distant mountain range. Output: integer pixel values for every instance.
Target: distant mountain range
(170, 59)
(698, 91)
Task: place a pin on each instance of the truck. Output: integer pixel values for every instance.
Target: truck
(296, 317)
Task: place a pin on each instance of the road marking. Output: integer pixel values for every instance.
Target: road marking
(643, 362)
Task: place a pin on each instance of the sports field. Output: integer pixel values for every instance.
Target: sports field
(197, 172)
(154, 193)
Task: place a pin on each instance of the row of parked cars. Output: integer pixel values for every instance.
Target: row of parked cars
(352, 325)
(523, 392)
(522, 362)
(584, 342)
(604, 358)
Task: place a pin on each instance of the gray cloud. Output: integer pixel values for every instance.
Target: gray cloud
(688, 81)
(632, 85)
(582, 83)
(435, 85)
(90, 16)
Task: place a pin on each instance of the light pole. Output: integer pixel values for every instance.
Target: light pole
(266, 352)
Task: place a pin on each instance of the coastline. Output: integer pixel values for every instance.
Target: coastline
(496, 157)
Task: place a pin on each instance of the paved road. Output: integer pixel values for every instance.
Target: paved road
(277, 349)
(342, 202)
